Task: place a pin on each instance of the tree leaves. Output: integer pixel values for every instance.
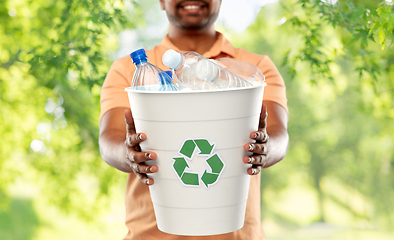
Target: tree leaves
(360, 27)
(339, 84)
(53, 54)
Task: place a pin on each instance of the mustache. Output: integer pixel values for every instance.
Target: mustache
(183, 1)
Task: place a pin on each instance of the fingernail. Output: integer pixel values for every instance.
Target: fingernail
(256, 135)
(254, 171)
(251, 147)
(139, 137)
(251, 160)
(147, 181)
(148, 156)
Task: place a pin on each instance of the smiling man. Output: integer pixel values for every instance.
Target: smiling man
(191, 28)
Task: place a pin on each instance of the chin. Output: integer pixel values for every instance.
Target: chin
(193, 25)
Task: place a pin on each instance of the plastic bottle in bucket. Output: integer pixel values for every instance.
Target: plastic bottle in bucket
(198, 73)
(214, 74)
(184, 65)
(247, 71)
(166, 81)
(148, 77)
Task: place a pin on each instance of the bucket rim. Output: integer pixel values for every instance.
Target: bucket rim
(256, 85)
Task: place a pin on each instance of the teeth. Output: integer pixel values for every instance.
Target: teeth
(191, 7)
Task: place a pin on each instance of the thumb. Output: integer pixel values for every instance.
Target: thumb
(129, 120)
(263, 117)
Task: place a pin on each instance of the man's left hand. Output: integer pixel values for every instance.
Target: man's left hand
(260, 148)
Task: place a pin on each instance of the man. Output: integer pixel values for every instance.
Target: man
(191, 28)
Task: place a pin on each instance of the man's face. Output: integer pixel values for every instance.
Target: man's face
(191, 14)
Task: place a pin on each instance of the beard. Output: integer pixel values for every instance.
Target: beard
(188, 23)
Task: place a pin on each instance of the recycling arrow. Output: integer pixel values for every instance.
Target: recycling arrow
(190, 178)
(209, 178)
(188, 148)
(214, 162)
(204, 146)
(180, 165)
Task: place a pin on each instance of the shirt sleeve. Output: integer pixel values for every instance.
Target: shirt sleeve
(119, 77)
(275, 90)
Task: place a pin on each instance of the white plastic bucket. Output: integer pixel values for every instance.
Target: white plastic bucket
(209, 197)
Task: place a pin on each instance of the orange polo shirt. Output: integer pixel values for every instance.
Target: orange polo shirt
(140, 218)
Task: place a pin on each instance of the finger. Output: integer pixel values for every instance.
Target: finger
(140, 157)
(256, 160)
(263, 117)
(141, 170)
(144, 179)
(260, 136)
(144, 169)
(133, 140)
(129, 121)
(259, 148)
(254, 170)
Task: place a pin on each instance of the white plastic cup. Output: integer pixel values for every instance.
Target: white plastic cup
(224, 119)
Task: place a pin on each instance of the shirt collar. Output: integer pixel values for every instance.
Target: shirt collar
(221, 45)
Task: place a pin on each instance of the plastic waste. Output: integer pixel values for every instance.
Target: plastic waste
(169, 73)
(196, 72)
(166, 81)
(183, 67)
(247, 71)
(148, 77)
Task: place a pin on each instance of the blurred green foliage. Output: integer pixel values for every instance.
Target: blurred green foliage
(53, 62)
(337, 61)
(20, 212)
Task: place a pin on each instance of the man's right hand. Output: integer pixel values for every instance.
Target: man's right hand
(119, 145)
(135, 158)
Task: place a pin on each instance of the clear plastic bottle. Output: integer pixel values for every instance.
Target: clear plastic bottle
(166, 82)
(196, 72)
(216, 75)
(183, 67)
(148, 77)
(247, 71)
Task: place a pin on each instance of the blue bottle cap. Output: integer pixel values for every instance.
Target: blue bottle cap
(169, 73)
(139, 56)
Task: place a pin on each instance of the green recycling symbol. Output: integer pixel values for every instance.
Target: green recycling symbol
(208, 178)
